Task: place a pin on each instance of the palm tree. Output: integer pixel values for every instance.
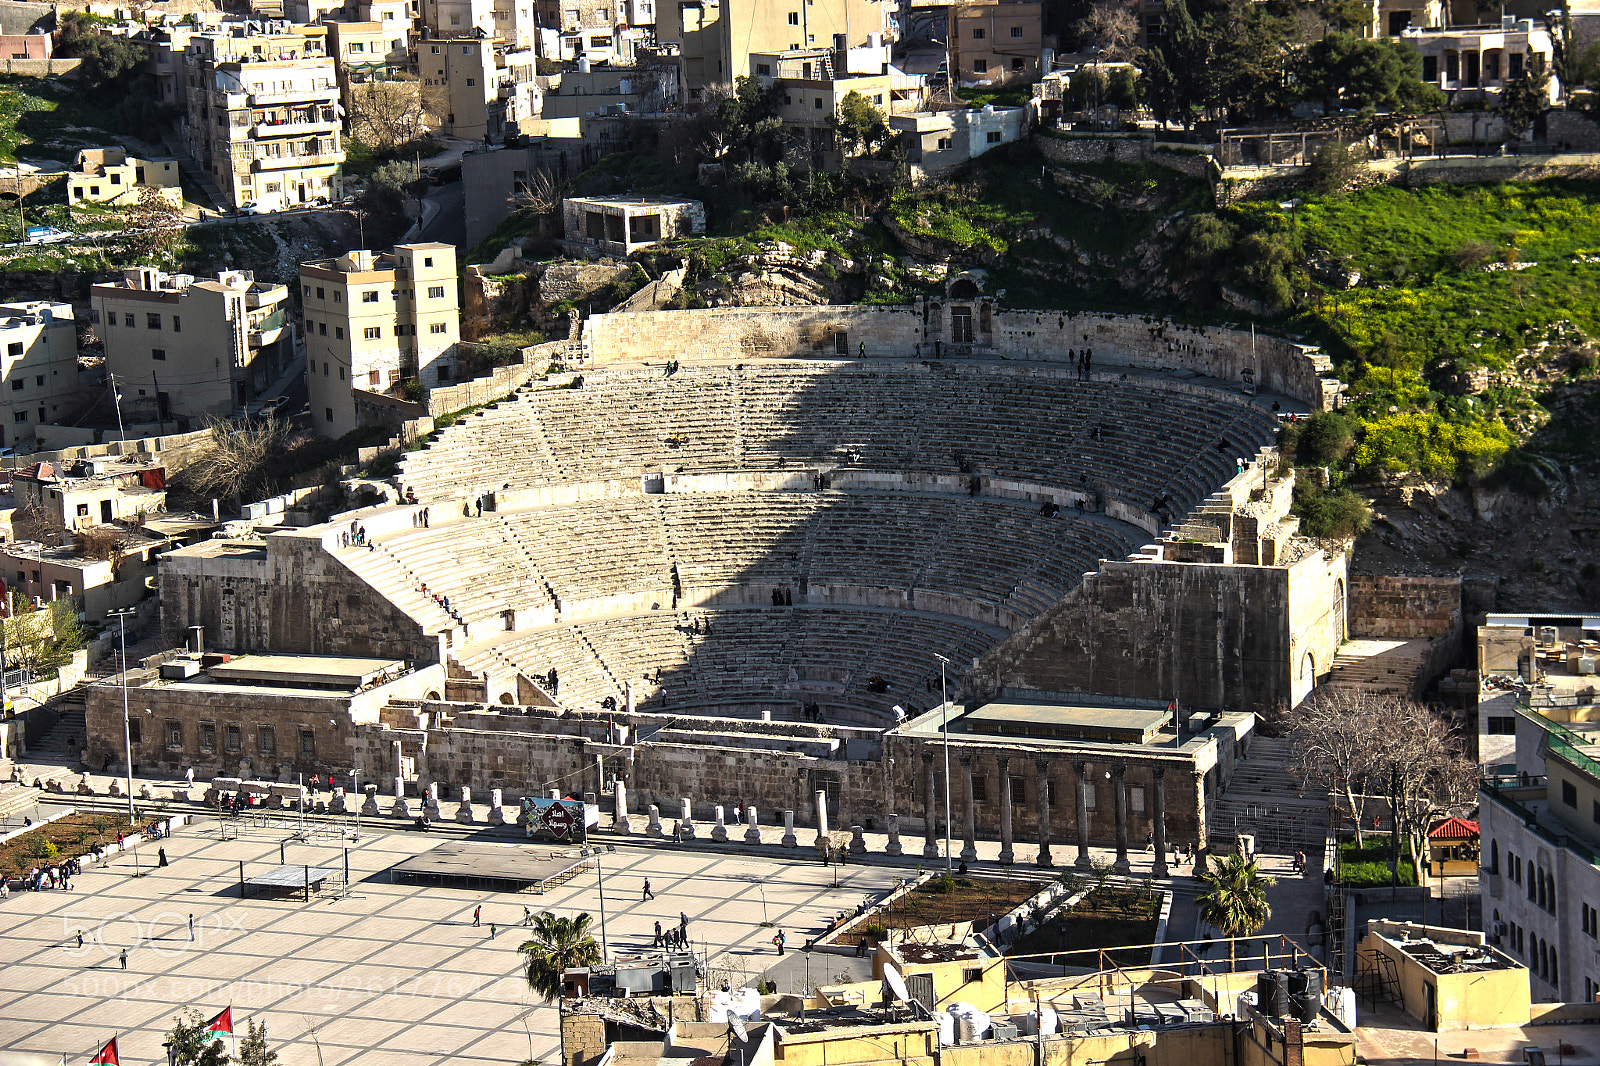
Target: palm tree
(1235, 901)
(558, 945)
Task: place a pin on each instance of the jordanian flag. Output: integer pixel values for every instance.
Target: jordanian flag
(221, 1025)
(108, 1054)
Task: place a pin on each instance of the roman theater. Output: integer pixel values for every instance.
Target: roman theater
(742, 556)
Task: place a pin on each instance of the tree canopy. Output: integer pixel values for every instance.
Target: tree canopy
(1346, 71)
(557, 945)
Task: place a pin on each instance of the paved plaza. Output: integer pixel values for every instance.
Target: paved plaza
(391, 973)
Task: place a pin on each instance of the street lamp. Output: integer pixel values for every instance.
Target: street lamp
(127, 734)
(601, 878)
(355, 775)
(944, 725)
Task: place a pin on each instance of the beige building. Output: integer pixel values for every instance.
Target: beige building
(91, 496)
(939, 141)
(716, 41)
(622, 225)
(1478, 62)
(373, 320)
(815, 82)
(182, 349)
(262, 113)
(995, 43)
(112, 176)
(39, 349)
(484, 89)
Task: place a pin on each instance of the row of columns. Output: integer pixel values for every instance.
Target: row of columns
(1118, 771)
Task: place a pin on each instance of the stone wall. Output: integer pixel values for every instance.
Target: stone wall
(1216, 637)
(1193, 160)
(918, 331)
(1404, 607)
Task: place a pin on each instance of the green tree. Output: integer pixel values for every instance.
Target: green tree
(1174, 66)
(41, 640)
(1323, 439)
(1235, 900)
(557, 945)
(1346, 15)
(1346, 71)
(105, 59)
(253, 1049)
(1525, 99)
(1334, 167)
(385, 202)
(858, 123)
(191, 1046)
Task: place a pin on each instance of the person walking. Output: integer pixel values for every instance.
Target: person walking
(123, 958)
(491, 930)
(188, 776)
(191, 928)
(778, 941)
(647, 893)
(80, 938)
(477, 917)
(527, 916)
(683, 924)
(656, 942)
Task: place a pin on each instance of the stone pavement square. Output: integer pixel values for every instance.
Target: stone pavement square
(391, 973)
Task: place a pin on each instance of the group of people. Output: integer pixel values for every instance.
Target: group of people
(673, 936)
(355, 536)
(58, 875)
(782, 597)
(419, 519)
(475, 508)
(1083, 360)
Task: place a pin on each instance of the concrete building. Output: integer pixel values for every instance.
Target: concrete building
(82, 498)
(111, 176)
(27, 45)
(995, 42)
(262, 113)
(183, 349)
(716, 41)
(1448, 979)
(814, 83)
(582, 29)
(39, 371)
(940, 141)
(620, 226)
(373, 320)
(487, 88)
(578, 93)
(1474, 63)
(1544, 663)
(558, 148)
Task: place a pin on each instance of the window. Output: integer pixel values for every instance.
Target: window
(135, 731)
(158, 354)
(818, 105)
(152, 321)
(341, 373)
(39, 380)
(993, 137)
(127, 319)
(1136, 799)
(763, 70)
(20, 416)
(1569, 794)
(305, 290)
(177, 324)
(435, 292)
(327, 413)
(944, 144)
(322, 329)
(338, 333)
(1019, 791)
(375, 377)
(471, 82)
(978, 33)
(438, 327)
(794, 18)
(338, 297)
(1016, 31)
(427, 260)
(1088, 796)
(208, 736)
(266, 737)
(435, 49)
(1018, 64)
(319, 292)
(16, 386)
(370, 297)
(234, 739)
(1503, 726)
(372, 333)
(980, 66)
(980, 790)
(174, 734)
(308, 742)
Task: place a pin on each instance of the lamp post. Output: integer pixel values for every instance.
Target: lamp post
(600, 876)
(122, 614)
(944, 726)
(355, 775)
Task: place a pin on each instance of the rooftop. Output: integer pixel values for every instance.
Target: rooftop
(1048, 719)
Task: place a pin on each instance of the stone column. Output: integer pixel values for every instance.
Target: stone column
(397, 756)
(1080, 775)
(430, 805)
(627, 696)
(1202, 844)
(599, 775)
(619, 817)
(822, 818)
(1043, 766)
(858, 840)
(788, 830)
(930, 820)
(752, 832)
(369, 806)
(1007, 855)
(402, 809)
(719, 831)
(1119, 797)
(654, 828)
(464, 811)
(969, 842)
(894, 847)
(1158, 820)
(686, 818)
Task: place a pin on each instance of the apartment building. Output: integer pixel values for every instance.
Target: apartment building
(599, 89)
(997, 42)
(39, 371)
(262, 112)
(1476, 63)
(182, 348)
(716, 41)
(581, 29)
(484, 87)
(374, 320)
(112, 176)
(938, 142)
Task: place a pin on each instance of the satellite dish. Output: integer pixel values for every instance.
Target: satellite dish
(897, 984)
(737, 1026)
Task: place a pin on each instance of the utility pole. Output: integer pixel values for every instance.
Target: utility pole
(944, 725)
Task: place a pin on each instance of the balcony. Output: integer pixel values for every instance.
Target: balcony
(328, 95)
(293, 162)
(226, 101)
(268, 330)
(293, 129)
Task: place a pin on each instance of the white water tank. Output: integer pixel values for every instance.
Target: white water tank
(583, 65)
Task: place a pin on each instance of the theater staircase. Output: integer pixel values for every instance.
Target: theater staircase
(1264, 798)
(392, 579)
(1382, 668)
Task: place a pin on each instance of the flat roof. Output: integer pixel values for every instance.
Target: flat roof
(1081, 715)
(504, 865)
(305, 669)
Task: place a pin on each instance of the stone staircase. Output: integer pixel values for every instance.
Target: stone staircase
(64, 743)
(1380, 667)
(1264, 798)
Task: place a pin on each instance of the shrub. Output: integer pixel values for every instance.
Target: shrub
(1336, 514)
(41, 848)
(942, 885)
(1324, 439)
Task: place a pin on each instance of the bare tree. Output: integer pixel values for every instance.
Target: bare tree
(384, 115)
(540, 197)
(1113, 28)
(241, 457)
(1336, 741)
(151, 225)
(1425, 772)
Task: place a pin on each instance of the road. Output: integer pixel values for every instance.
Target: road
(449, 223)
